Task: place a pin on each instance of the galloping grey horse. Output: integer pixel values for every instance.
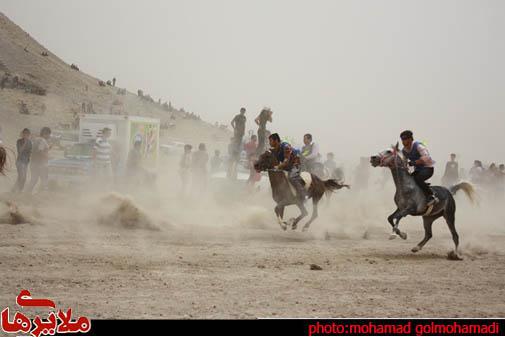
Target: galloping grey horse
(410, 199)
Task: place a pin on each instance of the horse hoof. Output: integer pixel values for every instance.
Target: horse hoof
(416, 249)
(403, 235)
(392, 236)
(293, 227)
(304, 229)
(283, 226)
(453, 256)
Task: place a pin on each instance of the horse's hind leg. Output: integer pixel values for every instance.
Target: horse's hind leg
(315, 201)
(427, 222)
(449, 216)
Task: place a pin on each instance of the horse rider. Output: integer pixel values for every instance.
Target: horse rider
(311, 158)
(289, 160)
(419, 157)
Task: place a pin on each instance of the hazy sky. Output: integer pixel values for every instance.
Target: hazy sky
(353, 73)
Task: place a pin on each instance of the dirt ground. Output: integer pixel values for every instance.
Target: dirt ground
(209, 265)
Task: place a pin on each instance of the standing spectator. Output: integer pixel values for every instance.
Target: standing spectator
(134, 162)
(493, 180)
(476, 172)
(330, 163)
(114, 82)
(251, 147)
(262, 119)
(24, 151)
(40, 159)
(216, 162)
(102, 156)
(233, 159)
(451, 174)
(238, 125)
(199, 163)
(250, 150)
(184, 168)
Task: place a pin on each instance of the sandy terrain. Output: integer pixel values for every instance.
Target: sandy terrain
(222, 260)
(224, 256)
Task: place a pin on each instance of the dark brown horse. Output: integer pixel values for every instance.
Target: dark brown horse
(284, 194)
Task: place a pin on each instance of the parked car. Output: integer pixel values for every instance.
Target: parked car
(76, 166)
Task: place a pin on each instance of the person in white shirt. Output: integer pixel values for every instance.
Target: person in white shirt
(310, 156)
(102, 155)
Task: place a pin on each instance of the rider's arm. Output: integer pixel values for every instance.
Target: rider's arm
(425, 156)
(287, 157)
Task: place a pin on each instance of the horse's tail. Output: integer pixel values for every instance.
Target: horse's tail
(466, 187)
(331, 185)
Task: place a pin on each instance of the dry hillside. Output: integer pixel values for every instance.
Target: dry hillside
(53, 92)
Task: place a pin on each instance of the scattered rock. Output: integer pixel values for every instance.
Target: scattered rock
(315, 267)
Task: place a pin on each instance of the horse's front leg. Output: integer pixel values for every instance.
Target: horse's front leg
(304, 213)
(394, 221)
(279, 211)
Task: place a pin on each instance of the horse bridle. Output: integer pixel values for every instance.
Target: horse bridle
(382, 157)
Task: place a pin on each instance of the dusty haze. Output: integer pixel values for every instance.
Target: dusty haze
(351, 72)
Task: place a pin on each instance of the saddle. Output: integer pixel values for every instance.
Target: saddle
(306, 178)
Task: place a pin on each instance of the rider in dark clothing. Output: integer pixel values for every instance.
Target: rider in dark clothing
(419, 157)
(289, 160)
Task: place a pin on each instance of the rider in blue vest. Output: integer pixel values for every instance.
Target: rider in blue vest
(419, 157)
(289, 160)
